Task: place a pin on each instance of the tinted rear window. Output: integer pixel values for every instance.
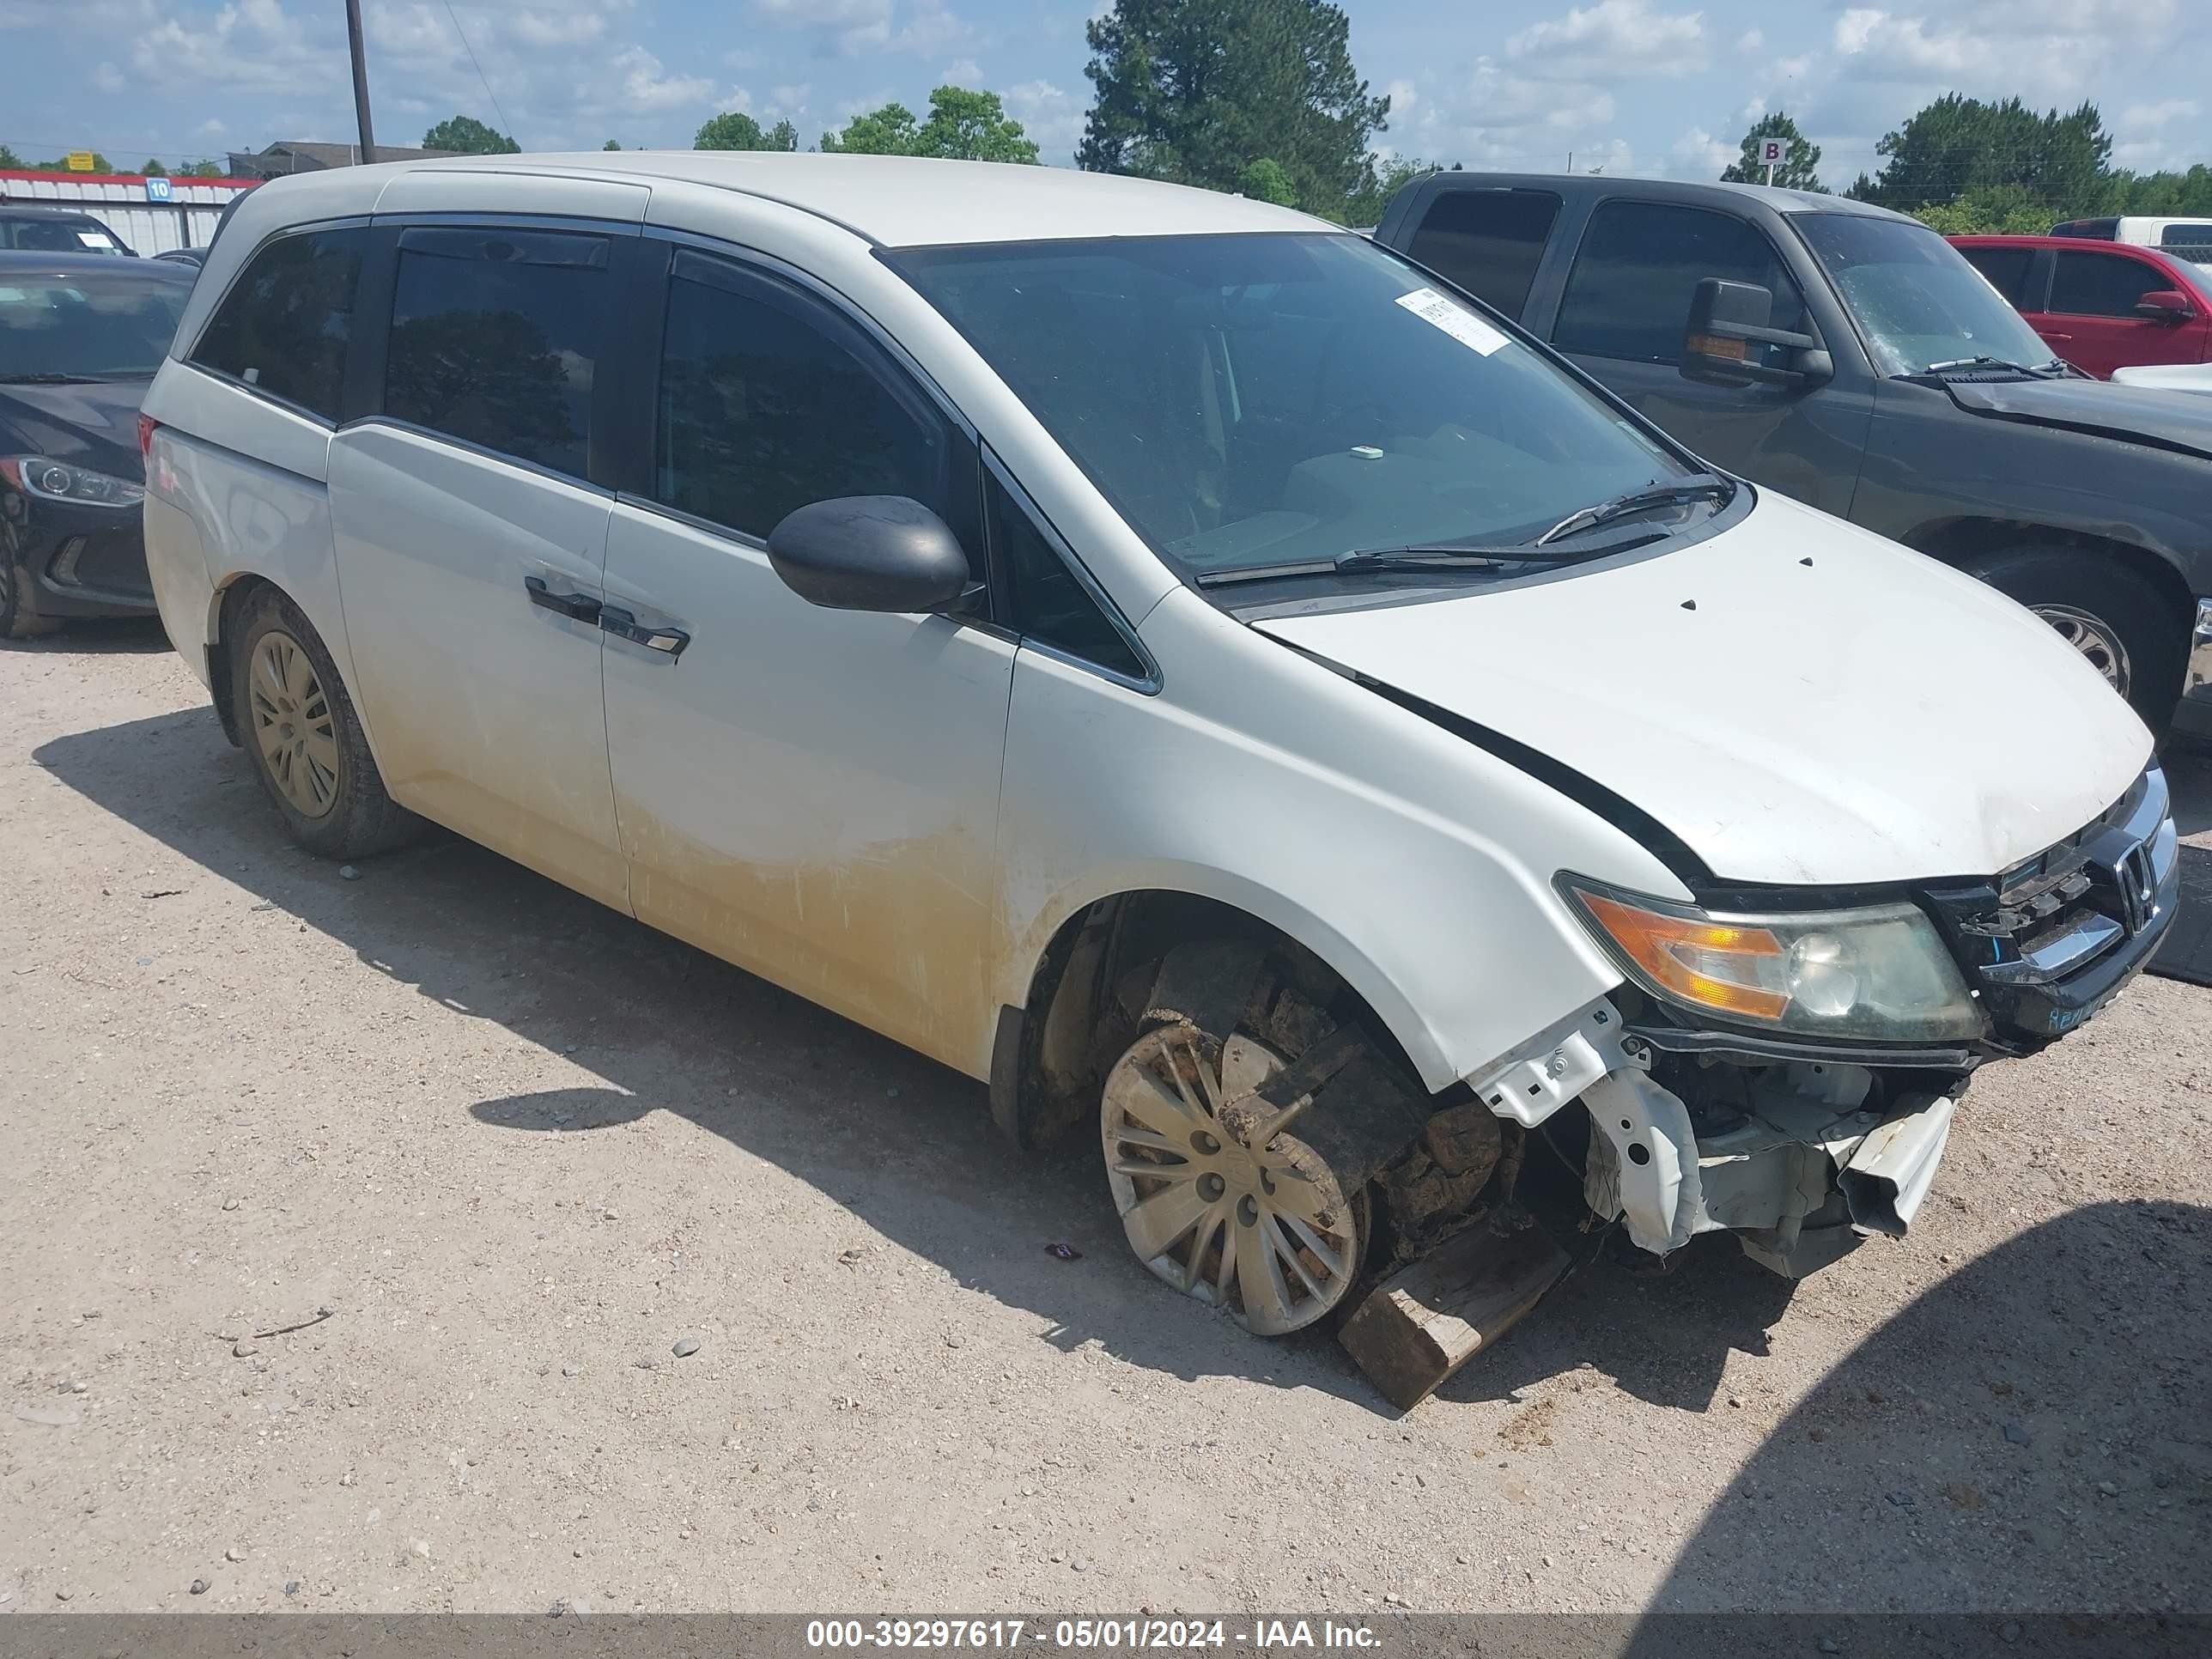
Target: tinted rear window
(2006, 268)
(1487, 241)
(496, 338)
(286, 323)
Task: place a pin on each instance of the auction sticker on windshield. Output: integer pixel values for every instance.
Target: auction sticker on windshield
(1456, 320)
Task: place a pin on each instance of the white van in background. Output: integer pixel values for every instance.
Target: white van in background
(2187, 239)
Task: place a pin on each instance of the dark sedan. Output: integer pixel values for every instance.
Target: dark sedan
(80, 335)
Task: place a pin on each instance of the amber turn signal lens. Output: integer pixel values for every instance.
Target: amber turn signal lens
(1738, 970)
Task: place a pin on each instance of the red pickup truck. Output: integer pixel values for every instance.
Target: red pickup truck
(2101, 306)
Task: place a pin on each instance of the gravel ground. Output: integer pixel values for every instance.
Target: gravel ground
(496, 1154)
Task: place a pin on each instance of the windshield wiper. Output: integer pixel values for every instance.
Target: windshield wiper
(49, 379)
(1442, 556)
(1983, 362)
(1681, 491)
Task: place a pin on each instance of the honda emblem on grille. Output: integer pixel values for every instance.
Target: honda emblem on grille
(2138, 884)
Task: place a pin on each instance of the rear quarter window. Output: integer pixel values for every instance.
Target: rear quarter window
(285, 326)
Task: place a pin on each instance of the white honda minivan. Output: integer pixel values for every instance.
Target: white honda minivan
(1162, 654)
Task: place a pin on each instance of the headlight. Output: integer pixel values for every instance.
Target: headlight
(1878, 972)
(57, 481)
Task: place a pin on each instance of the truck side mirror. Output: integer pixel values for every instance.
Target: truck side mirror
(2166, 306)
(1728, 324)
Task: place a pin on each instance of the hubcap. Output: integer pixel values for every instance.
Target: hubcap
(2094, 638)
(1265, 1232)
(292, 724)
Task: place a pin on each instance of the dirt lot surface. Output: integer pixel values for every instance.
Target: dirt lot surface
(519, 1148)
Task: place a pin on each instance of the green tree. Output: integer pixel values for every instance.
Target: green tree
(154, 169)
(1957, 145)
(1800, 166)
(9, 161)
(736, 130)
(964, 125)
(1364, 206)
(202, 170)
(1196, 90)
(467, 136)
(1992, 210)
(610, 145)
(60, 164)
(1264, 180)
(890, 131)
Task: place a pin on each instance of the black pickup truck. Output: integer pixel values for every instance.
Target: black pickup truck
(1851, 358)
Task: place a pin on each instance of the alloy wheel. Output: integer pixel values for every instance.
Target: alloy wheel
(292, 724)
(2094, 638)
(1265, 1232)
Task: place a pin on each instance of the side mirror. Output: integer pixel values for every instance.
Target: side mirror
(2166, 306)
(871, 553)
(1728, 324)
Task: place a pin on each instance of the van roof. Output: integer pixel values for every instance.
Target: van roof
(894, 200)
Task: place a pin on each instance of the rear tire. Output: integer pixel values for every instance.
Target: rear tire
(297, 724)
(2109, 613)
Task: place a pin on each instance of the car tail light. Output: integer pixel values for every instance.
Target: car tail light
(147, 424)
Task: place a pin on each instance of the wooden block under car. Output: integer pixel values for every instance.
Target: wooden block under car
(1423, 1323)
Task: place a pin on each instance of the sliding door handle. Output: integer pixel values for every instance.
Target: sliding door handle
(578, 607)
(664, 641)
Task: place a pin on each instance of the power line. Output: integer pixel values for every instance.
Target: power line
(504, 123)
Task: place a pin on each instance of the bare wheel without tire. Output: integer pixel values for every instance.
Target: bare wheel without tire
(1266, 1234)
(298, 724)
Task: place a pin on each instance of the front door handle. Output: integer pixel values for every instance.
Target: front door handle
(624, 625)
(578, 607)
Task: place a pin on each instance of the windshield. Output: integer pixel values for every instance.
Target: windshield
(1917, 300)
(1251, 400)
(91, 326)
(62, 233)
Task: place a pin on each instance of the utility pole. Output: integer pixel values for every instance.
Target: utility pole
(360, 81)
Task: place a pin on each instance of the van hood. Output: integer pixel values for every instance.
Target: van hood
(1797, 701)
(2132, 414)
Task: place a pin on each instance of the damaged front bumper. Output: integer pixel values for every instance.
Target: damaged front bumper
(1799, 1159)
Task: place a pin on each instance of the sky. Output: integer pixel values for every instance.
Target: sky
(1630, 86)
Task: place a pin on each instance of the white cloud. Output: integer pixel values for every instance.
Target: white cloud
(962, 72)
(1488, 116)
(213, 128)
(2044, 50)
(1699, 154)
(108, 78)
(789, 98)
(1404, 97)
(1049, 115)
(2138, 117)
(538, 28)
(1750, 40)
(1612, 38)
(646, 87)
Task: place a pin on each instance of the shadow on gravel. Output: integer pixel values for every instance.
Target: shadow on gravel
(906, 1145)
(105, 636)
(2030, 1434)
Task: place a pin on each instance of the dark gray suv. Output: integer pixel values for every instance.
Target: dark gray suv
(1851, 357)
